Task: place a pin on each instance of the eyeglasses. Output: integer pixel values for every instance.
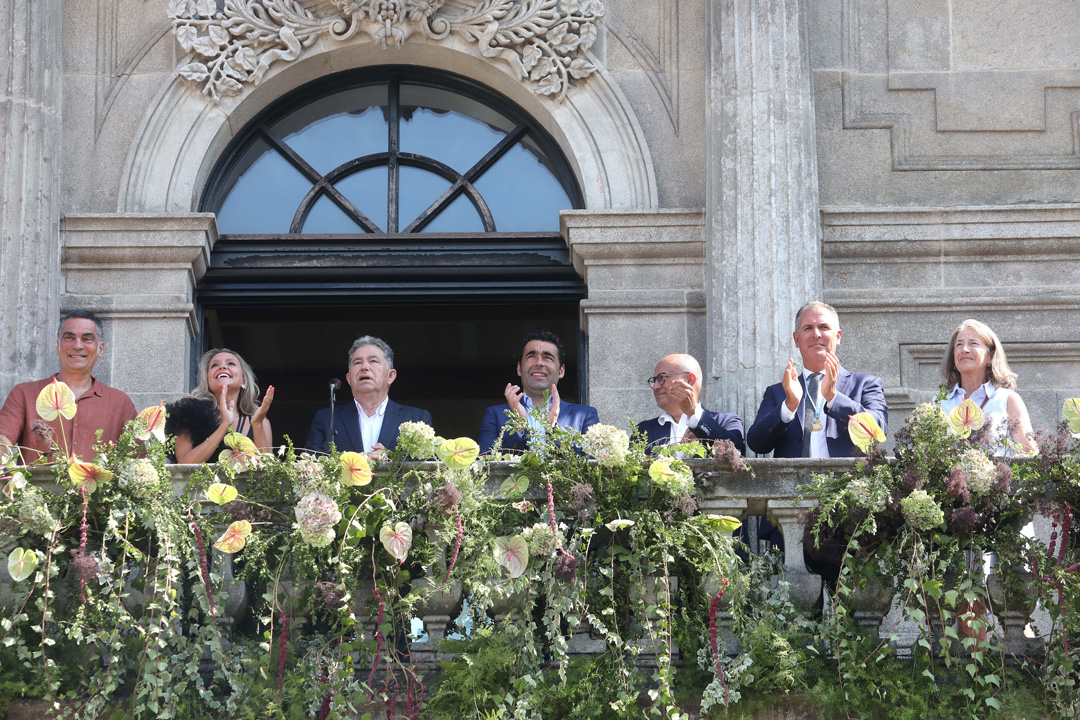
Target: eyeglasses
(659, 380)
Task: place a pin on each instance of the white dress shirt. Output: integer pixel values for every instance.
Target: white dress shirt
(679, 428)
(819, 445)
(370, 427)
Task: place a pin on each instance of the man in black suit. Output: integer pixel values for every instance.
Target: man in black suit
(369, 423)
(676, 385)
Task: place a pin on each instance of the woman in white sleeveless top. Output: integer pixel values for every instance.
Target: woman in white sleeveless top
(974, 368)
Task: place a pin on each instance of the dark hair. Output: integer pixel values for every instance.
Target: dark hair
(365, 340)
(83, 315)
(548, 337)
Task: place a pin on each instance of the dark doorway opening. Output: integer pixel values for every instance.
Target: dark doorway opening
(452, 359)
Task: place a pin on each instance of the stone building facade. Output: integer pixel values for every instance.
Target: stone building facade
(914, 163)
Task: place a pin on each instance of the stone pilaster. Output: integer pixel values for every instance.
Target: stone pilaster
(762, 229)
(31, 63)
(138, 272)
(644, 271)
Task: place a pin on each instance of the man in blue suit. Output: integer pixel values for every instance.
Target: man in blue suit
(806, 413)
(541, 367)
(676, 386)
(370, 422)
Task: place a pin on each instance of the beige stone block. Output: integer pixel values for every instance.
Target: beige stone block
(918, 35)
(149, 355)
(1013, 34)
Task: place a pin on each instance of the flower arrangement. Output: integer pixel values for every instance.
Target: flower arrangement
(584, 539)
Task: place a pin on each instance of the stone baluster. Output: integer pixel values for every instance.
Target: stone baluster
(762, 230)
(785, 514)
(31, 64)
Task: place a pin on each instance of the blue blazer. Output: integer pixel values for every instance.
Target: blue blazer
(855, 393)
(576, 417)
(713, 426)
(347, 424)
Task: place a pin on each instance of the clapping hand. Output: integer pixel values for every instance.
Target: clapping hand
(227, 408)
(792, 387)
(514, 395)
(260, 412)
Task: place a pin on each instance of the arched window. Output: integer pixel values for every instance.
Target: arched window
(398, 201)
(397, 155)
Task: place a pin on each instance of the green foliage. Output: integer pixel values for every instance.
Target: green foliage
(130, 613)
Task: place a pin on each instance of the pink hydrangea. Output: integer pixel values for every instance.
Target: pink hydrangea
(316, 516)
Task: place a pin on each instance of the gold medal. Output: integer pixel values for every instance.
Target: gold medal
(816, 427)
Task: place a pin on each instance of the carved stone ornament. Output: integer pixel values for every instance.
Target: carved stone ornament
(544, 41)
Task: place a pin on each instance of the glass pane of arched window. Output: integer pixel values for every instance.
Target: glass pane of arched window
(327, 217)
(522, 191)
(451, 128)
(459, 216)
(417, 190)
(266, 191)
(366, 190)
(340, 127)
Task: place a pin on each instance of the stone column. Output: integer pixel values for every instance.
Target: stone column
(644, 271)
(138, 273)
(31, 63)
(762, 228)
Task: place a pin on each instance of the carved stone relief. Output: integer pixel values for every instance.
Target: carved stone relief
(544, 41)
(952, 98)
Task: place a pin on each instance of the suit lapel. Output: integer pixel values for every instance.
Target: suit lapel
(843, 386)
(390, 423)
(348, 425)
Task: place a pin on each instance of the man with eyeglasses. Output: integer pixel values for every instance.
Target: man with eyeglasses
(541, 367)
(676, 386)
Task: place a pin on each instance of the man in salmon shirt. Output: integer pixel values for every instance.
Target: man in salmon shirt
(79, 345)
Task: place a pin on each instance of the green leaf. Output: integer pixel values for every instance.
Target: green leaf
(993, 702)
(514, 486)
(933, 589)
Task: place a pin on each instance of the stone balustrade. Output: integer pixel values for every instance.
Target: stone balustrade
(767, 488)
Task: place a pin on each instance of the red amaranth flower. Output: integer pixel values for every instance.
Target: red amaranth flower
(82, 539)
(457, 546)
(713, 607)
(202, 561)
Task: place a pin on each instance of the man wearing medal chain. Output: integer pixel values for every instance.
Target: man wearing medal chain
(821, 398)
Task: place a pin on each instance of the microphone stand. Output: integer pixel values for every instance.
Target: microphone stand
(334, 385)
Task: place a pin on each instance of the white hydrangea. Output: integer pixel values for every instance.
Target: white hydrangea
(929, 412)
(607, 444)
(921, 511)
(980, 471)
(416, 439)
(870, 494)
(139, 477)
(540, 539)
(316, 516)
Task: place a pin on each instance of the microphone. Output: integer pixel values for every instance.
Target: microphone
(335, 385)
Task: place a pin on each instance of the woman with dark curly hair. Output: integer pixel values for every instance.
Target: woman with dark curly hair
(226, 398)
